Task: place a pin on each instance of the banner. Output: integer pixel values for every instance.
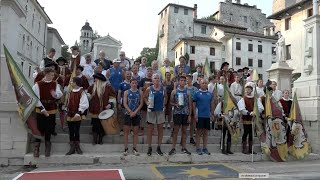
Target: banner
(207, 70)
(275, 130)
(300, 146)
(26, 98)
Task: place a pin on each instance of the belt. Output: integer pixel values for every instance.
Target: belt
(48, 101)
(238, 95)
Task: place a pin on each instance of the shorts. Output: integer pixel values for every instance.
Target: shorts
(155, 117)
(134, 121)
(180, 119)
(203, 123)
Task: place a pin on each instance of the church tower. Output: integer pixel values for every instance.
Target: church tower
(86, 38)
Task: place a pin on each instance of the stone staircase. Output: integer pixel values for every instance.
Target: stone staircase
(111, 151)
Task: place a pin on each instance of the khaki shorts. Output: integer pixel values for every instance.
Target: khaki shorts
(156, 117)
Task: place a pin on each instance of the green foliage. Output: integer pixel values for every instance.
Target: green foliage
(64, 52)
(211, 17)
(187, 58)
(150, 53)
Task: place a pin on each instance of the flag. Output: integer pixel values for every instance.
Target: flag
(26, 98)
(230, 106)
(255, 76)
(275, 130)
(300, 147)
(229, 102)
(207, 70)
(259, 125)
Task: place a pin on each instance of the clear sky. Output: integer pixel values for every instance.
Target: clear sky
(133, 22)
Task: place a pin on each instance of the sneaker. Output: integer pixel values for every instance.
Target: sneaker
(159, 152)
(192, 141)
(169, 127)
(131, 132)
(121, 132)
(205, 151)
(164, 126)
(185, 151)
(149, 151)
(172, 152)
(125, 153)
(199, 152)
(135, 152)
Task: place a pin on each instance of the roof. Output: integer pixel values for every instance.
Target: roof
(197, 38)
(177, 5)
(219, 23)
(279, 14)
(246, 33)
(44, 12)
(53, 30)
(87, 27)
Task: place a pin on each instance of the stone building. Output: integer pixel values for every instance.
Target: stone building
(109, 45)
(289, 20)
(86, 38)
(243, 15)
(23, 29)
(54, 40)
(181, 32)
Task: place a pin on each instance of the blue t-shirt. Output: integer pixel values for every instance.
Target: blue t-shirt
(115, 77)
(203, 103)
(158, 99)
(123, 87)
(133, 100)
(192, 91)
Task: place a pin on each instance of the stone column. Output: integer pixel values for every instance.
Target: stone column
(307, 86)
(282, 74)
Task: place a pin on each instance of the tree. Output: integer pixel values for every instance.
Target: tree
(150, 53)
(96, 35)
(64, 52)
(211, 17)
(187, 58)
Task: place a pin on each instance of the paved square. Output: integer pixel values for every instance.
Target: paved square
(193, 171)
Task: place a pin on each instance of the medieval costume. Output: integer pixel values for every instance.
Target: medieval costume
(48, 92)
(228, 75)
(236, 90)
(246, 105)
(84, 80)
(76, 105)
(56, 78)
(99, 94)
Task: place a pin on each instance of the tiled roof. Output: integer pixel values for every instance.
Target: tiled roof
(197, 38)
(277, 15)
(177, 5)
(246, 33)
(218, 23)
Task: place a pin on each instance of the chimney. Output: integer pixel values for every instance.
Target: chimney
(265, 31)
(238, 1)
(272, 31)
(195, 11)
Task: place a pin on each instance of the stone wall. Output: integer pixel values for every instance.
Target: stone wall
(13, 139)
(243, 15)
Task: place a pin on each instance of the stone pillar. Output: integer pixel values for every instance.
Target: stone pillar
(282, 74)
(307, 86)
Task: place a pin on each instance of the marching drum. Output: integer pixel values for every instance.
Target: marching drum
(109, 122)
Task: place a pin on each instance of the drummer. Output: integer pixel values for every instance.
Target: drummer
(99, 94)
(132, 102)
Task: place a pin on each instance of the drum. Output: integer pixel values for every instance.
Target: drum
(109, 122)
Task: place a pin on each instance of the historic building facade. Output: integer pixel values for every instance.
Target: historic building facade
(55, 41)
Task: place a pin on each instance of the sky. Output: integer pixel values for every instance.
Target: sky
(133, 22)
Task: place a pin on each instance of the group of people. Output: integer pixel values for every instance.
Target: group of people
(145, 97)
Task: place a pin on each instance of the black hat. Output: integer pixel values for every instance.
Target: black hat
(61, 59)
(224, 64)
(51, 63)
(245, 68)
(100, 77)
(240, 70)
(80, 67)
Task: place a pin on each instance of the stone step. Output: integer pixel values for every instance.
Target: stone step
(143, 148)
(118, 158)
(117, 139)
